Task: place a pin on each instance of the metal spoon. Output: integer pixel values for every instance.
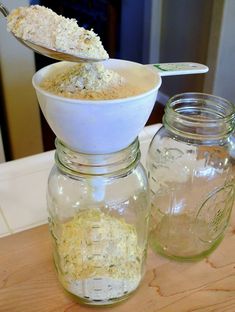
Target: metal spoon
(54, 54)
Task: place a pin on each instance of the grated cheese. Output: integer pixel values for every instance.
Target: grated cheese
(96, 248)
(44, 27)
(90, 81)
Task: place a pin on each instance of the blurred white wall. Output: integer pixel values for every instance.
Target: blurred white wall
(21, 107)
(221, 52)
(199, 31)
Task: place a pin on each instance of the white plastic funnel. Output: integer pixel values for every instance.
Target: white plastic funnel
(100, 127)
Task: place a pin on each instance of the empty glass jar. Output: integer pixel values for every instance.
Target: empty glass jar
(99, 210)
(190, 175)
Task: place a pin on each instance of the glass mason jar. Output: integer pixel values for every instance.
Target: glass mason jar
(98, 216)
(190, 176)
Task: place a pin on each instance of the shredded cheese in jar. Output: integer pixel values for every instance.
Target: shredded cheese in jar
(98, 249)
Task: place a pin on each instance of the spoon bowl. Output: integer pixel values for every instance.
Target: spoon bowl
(55, 54)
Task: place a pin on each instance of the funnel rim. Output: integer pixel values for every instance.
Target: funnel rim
(97, 102)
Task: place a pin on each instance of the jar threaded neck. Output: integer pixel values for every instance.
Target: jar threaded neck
(73, 162)
(199, 116)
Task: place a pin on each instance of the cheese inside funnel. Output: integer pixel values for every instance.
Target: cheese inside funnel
(97, 81)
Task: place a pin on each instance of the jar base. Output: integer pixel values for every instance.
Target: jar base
(157, 248)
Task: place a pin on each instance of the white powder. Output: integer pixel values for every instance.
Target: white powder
(102, 288)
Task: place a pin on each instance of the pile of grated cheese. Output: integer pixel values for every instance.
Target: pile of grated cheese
(94, 244)
(91, 81)
(42, 26)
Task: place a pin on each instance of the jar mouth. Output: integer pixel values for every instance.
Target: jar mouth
(199, 114)
(73, 162)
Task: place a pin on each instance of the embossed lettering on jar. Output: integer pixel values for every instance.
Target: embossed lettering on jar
(191, 177)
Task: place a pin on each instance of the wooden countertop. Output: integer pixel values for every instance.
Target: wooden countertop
(28, 281)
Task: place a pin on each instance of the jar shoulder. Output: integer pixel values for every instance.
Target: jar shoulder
(92, 188)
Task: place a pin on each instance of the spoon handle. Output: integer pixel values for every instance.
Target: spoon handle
(4, 10)
(185, 68)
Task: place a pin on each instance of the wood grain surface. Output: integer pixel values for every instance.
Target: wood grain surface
(28, 280)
